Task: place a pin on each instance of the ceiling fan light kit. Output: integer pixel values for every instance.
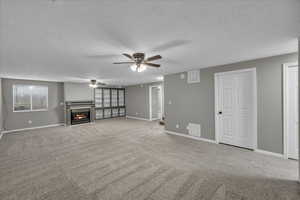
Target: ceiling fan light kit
(139, 62)
(133, 67)
(93, 86)
(141, 68)
(138, 69)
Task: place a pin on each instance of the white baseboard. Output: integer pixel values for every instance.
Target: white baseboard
(1, 134)
(154, 119)
(138, 118)
(32, 128)
(189, 136)
(213, 141)
(269, 153)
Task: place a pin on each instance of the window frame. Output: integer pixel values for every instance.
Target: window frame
(101, 110)
(31, 107)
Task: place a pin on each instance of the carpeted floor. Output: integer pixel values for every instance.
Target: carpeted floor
(130, 159)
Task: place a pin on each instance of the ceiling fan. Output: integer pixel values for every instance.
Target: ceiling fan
(95, 84)
(139, 62)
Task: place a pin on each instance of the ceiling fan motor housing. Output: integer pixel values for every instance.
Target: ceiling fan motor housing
(93, 82)
(139, 57)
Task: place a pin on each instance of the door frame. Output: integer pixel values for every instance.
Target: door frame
(150, 101)
(216, 87)
(285, 68)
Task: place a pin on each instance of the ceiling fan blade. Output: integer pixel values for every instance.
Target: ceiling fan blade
(152, 64)
(104, 56)
(154, 58)
(171, 61)
(119, 38)
(123, 62)
(128, 56)
(170, 45)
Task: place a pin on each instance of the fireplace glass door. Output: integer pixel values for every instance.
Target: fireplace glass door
(80, 116)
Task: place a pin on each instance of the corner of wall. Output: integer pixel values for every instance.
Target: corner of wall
(1, 109)
(299, 95)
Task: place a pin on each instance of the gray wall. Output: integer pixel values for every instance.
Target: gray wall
(19, 120)
(78, 92)
(1, 115)
(137, 100)
(195, 102)
(299, 97)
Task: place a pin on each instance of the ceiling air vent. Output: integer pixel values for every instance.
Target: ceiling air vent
(193, 76)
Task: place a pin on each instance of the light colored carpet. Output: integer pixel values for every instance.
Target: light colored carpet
(134, 160)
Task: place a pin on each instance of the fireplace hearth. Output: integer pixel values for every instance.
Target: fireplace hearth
(79, 112)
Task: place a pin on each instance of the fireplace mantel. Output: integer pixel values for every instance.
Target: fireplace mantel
(77, 105)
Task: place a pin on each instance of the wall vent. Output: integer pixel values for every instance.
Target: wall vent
(193, 76)
(194, 129)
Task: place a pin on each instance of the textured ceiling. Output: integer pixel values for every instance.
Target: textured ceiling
(59, 40)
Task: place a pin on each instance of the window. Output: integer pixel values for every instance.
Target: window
(114, 97)
(98, 98)
(30, 98)
(121, 98)
(106, 94)
(110, 102)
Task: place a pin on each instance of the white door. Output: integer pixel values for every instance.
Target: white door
(292, 118)
(236, 116)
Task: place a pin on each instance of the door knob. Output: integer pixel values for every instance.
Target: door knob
(220, 112)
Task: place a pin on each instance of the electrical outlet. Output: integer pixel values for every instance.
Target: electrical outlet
(177, 125)
(136, 113)
(29, 122)
(182, 76)
(170, 102)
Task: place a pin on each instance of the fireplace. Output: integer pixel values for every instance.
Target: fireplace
(78, 112)
(79, 116)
